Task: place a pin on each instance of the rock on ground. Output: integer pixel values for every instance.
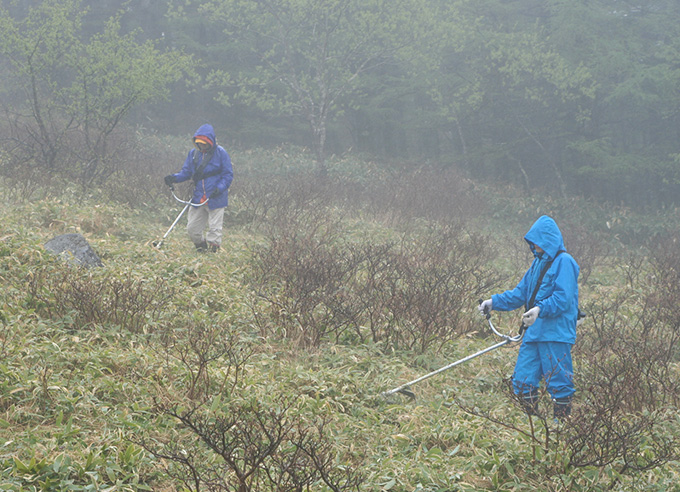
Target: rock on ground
(75, 249)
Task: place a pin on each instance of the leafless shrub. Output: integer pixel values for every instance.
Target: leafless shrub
(626, 362)
(40, 146)
(256, 196)
(588, 249)
(125, 164)
(21, 165)
(440, 195)
(59, 146)
(632, 443)
(197, 345)
(632, 269)
(426, 193)
(634, 340)
(428, 285)
(412, 294)
(304, 281)
(258, 447)
(602, 430)
(628, 389)
(319, 282)
(629, 379)
(130, 303)
(279, 203)
(142, 163)
(663, 285)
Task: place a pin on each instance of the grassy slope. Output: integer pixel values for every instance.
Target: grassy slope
(73, 402)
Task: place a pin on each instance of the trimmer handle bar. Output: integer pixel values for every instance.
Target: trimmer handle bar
(404, 389)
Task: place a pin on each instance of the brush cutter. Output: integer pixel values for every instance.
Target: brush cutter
(507, 339)
(187, 204)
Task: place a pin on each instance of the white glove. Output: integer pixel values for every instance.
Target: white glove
(530, 316)
(485, 307)
(581, 317)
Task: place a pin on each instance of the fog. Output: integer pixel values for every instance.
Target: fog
(572, 98)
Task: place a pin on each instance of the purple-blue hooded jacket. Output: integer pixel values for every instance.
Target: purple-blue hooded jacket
(558, 295)
(214, 178)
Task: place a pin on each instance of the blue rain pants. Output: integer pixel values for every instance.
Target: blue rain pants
(550, 361)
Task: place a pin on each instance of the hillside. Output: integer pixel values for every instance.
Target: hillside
(260, 367)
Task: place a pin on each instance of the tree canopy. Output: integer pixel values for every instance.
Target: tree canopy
(568, 96)
(307, 56)
(75, 89)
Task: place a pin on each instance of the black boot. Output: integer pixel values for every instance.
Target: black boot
(529, 402)
(201, 247)
(562, 407)
(213, 247)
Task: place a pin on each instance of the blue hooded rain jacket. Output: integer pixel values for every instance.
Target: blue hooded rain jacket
(215, 178)
(558, 295)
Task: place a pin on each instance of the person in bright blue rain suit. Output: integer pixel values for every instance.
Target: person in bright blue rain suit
(549, 319)
(209, 166)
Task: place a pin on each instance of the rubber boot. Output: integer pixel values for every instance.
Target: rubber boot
(213, 247)
(562, 407)
(529, 402)
(201, 247)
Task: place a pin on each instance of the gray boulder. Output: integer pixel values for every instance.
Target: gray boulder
(75, 249)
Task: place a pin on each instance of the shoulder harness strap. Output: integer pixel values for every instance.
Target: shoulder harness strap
(532, 299)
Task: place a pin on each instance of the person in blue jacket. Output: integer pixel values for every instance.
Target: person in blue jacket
(209, 166)
(550, 320)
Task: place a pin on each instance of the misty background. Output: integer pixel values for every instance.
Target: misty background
(389, 157)
(566, 97)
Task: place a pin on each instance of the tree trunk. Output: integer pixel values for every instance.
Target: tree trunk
(548, 157)
(320, 147)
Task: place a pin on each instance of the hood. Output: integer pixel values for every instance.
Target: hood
(546, 235)
(208, 131)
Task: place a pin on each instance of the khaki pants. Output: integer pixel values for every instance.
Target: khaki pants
(199, 218)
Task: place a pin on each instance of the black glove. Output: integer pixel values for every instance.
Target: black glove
(215, 194)
(170, 180)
